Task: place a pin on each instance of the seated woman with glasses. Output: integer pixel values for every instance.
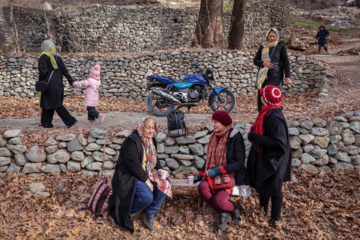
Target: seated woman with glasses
(136, 183)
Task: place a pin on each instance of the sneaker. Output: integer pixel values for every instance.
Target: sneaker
(101, 117)
(73, 125)
(149, 220)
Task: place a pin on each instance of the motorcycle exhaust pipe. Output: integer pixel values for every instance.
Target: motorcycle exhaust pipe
(165, 95)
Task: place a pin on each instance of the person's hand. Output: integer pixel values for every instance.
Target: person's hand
(198, 178)
(268, 64)
(72, 86)
(149, 185)
(215, 172)
(287, 80)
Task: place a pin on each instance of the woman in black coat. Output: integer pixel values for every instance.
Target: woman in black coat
(136, 183)
(273, 61)
(51, 69)
(269, 161)
(225, 155)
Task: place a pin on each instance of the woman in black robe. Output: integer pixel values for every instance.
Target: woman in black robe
(269, 161)
(272, 60)
(136, 183)
(52, 69)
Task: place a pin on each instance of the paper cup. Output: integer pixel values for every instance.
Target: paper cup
(248, 127)
(163, 174)
(191, 180)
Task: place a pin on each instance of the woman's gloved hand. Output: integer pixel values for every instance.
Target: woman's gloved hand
(215, 172)
(198, 178)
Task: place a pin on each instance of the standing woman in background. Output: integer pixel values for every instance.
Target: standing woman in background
(52, 100)
(273, 61)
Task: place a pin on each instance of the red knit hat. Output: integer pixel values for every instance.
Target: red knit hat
(222, 117)
(272, 94)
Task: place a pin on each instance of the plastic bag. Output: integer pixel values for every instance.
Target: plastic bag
(241, 191)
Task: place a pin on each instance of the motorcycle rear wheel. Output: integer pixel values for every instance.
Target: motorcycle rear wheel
(158, 106)
(229, 101)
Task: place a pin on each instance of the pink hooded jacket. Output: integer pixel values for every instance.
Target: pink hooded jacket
(92, 85)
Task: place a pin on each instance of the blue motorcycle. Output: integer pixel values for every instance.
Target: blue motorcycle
(168, 94)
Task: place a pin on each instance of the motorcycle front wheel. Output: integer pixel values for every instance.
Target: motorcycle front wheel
(228, 104)
(158, 106)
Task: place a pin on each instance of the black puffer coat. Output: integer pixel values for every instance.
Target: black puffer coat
(279, 58)
(128, 171)
(269, 167)
(235, 157)
(54, 97)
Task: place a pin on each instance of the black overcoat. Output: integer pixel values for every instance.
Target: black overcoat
(235, 157)
(54, 97)
(279, 58)
(269, 167)
(128, 171)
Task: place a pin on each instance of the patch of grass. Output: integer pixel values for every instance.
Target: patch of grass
(228, 6)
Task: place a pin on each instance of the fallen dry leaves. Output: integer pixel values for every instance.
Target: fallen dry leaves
(316, 206)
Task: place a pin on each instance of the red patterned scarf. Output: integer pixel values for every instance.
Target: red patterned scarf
(216, 153)
(258, 125)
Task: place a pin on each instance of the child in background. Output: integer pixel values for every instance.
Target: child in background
(92, 85)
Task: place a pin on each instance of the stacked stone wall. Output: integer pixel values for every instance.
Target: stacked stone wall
(110, 28)
(125, 76)
(316, 146)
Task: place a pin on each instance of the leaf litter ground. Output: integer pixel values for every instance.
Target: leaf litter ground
(316, 206)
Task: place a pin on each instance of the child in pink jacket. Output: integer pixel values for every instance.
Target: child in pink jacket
(92, 85)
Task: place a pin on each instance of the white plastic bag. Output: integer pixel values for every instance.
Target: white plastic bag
(241, 191)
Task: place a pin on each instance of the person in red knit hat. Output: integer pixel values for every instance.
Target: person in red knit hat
(269, 161)
(225, 155)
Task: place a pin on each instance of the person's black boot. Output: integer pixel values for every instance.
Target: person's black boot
(149, 220)
(236, 215)
(224, 219)
(272, 223)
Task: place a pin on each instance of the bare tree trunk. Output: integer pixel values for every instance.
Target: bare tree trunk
(13, 28)
(236, 32)
(209, 28)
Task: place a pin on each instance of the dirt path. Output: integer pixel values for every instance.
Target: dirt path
(342, 97)
(344, 92)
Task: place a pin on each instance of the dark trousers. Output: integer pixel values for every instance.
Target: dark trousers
(92, 113)
(322, 45)
(145, 199)
(48, 114)
(276, 203)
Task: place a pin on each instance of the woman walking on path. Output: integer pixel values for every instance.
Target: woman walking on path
(269, 161)
(225, 155)
(92, 85)
(51, 65)
(136, 183)
(273, 61)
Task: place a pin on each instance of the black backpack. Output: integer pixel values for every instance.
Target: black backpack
(176, 123)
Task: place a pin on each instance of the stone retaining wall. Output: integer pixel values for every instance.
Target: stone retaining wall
(125, 76)
(315, 145)
(110, 28)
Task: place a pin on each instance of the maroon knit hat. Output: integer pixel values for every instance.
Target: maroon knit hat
(272, 94)
(222, 117)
